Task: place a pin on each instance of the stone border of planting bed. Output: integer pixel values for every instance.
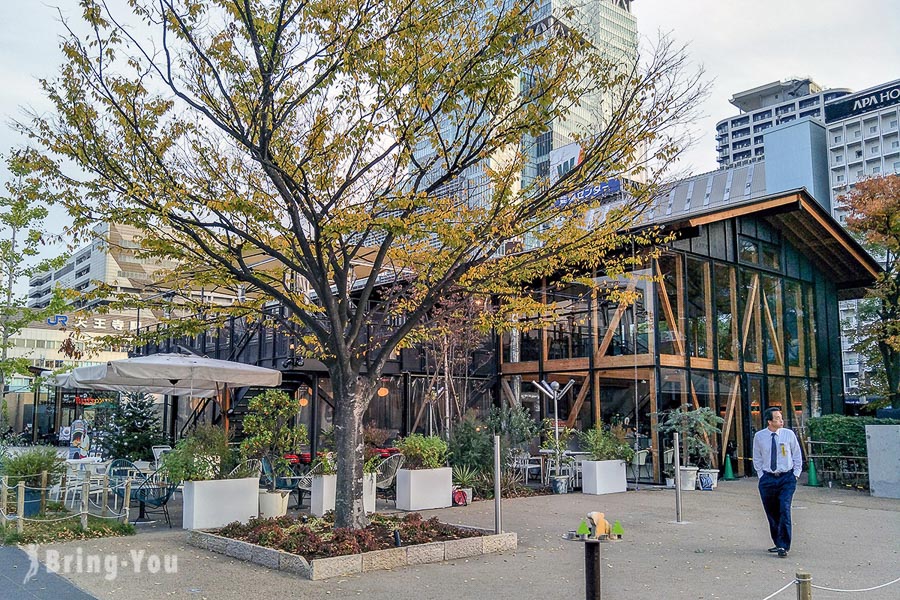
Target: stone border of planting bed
(337, 566)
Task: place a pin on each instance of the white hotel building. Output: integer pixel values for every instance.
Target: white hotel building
(740, 138)
(863, 138)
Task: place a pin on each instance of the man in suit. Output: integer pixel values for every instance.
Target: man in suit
(778, 462)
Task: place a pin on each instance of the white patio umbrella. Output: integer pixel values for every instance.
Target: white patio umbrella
(181, 371)
(92, 378)
(186, 370)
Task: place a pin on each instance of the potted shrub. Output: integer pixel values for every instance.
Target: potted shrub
(204, 462)
(271, 434)
(604, 473)
(27, 466)
(324, 484)
(556, 442)
(694, 427)
(464, 480)
(424, 481)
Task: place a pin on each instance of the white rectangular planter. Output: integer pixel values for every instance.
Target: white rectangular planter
(603, 476)
(369, 492)
(424, 488)
(216, 503)
(324, 492)
(321, 500)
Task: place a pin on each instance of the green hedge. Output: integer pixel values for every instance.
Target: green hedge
(844, 430)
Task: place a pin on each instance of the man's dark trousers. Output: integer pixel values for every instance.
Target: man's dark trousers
(776, 492)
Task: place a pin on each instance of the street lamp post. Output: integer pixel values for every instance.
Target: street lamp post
(36, 372)
(552, 390)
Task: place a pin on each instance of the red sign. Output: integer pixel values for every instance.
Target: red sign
(87, 400)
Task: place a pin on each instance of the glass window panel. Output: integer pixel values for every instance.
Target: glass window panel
(754, 399)
(670, 315)
(776, 394)
(703, 392)
(697, 303)
(799, 405)
(750, 325)
(771, 256)
(726, 304)
(773, 317)
(748, 251)
(811, 331)
(794, 325)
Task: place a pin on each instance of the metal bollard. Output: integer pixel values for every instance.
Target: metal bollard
(804, 586)
(498, 518)
(105, 499)
(126, 500)
(85, 495)
(20, 507)
(677, 459)
(592, 569)
(44, 477)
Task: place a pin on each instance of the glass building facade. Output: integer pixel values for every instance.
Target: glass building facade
(737, 315)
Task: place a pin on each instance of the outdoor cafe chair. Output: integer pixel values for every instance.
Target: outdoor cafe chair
(154, 491)
(525, 464)
(386, 471)
(639, 463)
(158, 452)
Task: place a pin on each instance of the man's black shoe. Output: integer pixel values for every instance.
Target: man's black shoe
(782, 553)
(773, 549)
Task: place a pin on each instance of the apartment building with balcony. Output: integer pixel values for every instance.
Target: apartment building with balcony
(740, 138)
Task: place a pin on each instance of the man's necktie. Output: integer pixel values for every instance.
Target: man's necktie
(773, 454)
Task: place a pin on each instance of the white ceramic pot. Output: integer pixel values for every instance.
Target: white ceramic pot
(273, 504)
(369, 492)
(216, 503)
(321, 500)
(670, 482)
(688, 478)
(424, 488)
(603, 476)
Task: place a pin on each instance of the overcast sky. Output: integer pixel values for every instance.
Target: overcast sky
(740, 43)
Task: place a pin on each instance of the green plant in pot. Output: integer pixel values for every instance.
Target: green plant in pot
(556, 440)
(271, 432)
(423, 452)
(204, 455)
(425, 481)
(28, 467)
(602, 444)
(695, 428)
(215, 492)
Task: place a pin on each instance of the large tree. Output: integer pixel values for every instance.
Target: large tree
(312, 151)
(873, 214)
(23, 243)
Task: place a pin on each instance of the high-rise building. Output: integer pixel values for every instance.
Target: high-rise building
(113, 259)
(740, 138)
(612, 30)
(825, 141)
(863, 139)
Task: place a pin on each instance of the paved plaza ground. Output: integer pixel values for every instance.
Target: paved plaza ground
(846, 539)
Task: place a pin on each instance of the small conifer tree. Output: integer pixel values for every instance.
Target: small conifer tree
(135, 428)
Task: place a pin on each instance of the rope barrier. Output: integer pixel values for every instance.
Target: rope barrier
(877, 587)
(790, 583)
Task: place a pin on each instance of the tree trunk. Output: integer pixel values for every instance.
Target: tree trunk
(351, 395)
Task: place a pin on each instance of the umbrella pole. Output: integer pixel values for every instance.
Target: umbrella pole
(225, 398)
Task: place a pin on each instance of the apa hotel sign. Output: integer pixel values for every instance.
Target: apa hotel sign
(863, 102)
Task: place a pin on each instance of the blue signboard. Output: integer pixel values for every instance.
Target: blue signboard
(591, 192)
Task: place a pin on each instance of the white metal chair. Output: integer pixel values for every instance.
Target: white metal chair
(522, 462)
(639, 463)
(158, 452)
